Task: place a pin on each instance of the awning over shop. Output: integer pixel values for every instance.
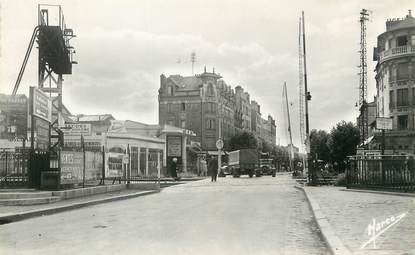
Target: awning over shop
(215, 153)
(167, 129)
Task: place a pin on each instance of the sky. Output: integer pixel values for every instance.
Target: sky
(122, 48)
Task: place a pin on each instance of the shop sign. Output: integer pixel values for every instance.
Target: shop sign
(41, 104)
(77, 129)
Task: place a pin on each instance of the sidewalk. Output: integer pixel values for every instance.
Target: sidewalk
(346, 217)
(15, 213)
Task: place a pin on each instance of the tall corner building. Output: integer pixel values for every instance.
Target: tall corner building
(198, 102)
(395, 81)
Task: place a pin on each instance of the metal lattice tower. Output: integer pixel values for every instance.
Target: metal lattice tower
(363, 118)
(193, 60)
(301, 88)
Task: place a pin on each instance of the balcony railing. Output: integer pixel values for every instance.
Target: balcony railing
(396, 52)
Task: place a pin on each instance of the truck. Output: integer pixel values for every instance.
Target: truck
(244, 162)
(266, 165)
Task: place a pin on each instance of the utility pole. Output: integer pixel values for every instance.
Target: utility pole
(289, 127)
(307, 97)
(363, 119)
(301, 96)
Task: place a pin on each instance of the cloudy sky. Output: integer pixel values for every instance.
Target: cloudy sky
(123, 46)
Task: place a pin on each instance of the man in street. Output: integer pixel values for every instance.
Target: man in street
(213, 168)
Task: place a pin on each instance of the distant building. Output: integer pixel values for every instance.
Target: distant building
(395, 75)
(199, 103)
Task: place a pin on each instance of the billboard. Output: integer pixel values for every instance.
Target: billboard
(174, 146)
(71, 167)
(384, 123)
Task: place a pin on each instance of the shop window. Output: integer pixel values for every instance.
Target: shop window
(401, 41)
(403, 122)
(402, 97)
(402, 71)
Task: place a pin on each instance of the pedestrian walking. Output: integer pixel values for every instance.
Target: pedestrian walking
(173, 168)
(213, 168)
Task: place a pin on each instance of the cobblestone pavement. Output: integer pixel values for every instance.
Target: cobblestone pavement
(232, 216)
(350, 214)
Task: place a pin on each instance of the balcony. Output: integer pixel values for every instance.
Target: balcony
(401, 51)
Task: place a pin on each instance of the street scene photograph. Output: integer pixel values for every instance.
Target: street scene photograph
(207, 127)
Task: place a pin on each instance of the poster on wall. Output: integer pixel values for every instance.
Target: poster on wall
(71, 167)
(114, 166)
(174, 146)
(93, 165)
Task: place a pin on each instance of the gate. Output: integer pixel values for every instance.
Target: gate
(39, 162)
(14, 171)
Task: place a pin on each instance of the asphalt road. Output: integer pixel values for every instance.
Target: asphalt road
(232, 216)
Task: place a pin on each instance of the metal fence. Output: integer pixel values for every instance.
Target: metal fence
(382, 172)
(14, 168)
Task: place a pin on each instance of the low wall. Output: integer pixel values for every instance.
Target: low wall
(74, 193)
(90, 191)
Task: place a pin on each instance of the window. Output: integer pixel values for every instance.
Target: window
(402, 71)
(413, 40)
(211, 124)
(170, 122)
(170, 90)
(210, 90)
(211, 107)
(413, 96)
(183, 124)
(391, 99)
(183, 108)
(169, 107)
(401, 41)
(403, 122)
(391, 74)
(402, 97)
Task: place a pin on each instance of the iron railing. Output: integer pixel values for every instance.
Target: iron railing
(14, 168)
(395, 173)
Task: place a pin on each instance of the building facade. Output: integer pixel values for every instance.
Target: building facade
(203, 102)
(395, 76)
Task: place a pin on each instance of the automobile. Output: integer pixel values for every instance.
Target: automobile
(224, 171)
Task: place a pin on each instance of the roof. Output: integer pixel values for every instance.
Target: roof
(190, 82)
(98, 117)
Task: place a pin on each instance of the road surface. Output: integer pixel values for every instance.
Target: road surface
(232, 216)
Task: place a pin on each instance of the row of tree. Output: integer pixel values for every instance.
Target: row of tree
(330, 148)
(334, 147)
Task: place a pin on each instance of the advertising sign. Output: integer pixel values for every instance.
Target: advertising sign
(77, 129)
(93, 165)
(71, 167)
(384, 123)
(41, 103)
(174, 146)
(41, 134)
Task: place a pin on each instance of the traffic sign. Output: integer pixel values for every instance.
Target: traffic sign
(219, 144)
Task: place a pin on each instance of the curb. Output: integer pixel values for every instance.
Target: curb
(13, 217)
(380, 192)
(334, 243)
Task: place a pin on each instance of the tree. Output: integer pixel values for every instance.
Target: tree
(318, 145)
(243, 140)
(343, 142)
